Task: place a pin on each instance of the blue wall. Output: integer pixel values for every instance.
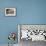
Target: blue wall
(28, 12)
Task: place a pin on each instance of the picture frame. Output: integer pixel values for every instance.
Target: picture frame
(10, 11)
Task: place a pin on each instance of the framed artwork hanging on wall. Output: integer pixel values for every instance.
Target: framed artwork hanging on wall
(10, 11)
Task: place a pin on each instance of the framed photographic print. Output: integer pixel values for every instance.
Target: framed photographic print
(10, 11)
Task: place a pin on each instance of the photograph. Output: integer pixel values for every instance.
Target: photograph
(22, 22)
(10, 11)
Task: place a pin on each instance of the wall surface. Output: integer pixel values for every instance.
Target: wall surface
(28, 12)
